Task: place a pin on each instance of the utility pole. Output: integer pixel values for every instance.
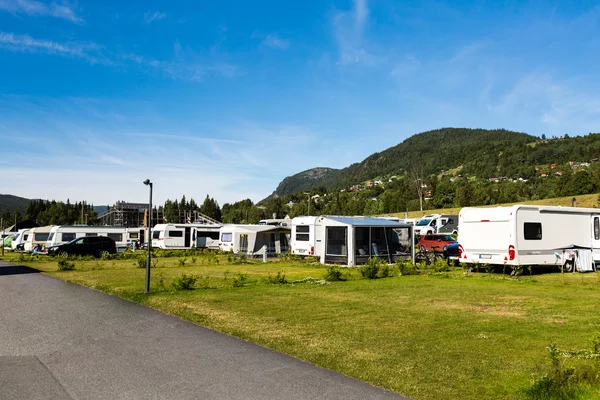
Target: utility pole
(2, 237)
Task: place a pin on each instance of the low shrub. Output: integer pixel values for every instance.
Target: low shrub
(406, 267)
(278, 279)
(375, 268)
(334, 273)
(141, 262)
(182, 261)
(65, 265)
(240, 279)
(184, 281)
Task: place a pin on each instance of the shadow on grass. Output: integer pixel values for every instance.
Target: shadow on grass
(17, 270)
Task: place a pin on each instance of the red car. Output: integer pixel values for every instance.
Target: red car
(436, 242)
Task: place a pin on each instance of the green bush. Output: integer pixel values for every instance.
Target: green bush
(572, 374)
(278, 279)
(65, 265)
(182, 261)
(141, 262)
(334, 273)
(184, 281)
(240, 279)
(375, 268)
(406, 267)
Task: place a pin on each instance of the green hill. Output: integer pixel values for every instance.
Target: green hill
(10, 203)
(476, 150)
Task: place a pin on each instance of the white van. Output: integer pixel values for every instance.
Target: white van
(437, 223)
(37, 236)
(185, 236)
(527, 234)
(60, 234)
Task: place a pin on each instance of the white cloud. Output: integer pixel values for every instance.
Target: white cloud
(150, 16)
(272, 40)
(348, 31)
(38, 8)
(181, 69)
(361, 12)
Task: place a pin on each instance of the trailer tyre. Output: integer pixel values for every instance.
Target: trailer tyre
(569, 266)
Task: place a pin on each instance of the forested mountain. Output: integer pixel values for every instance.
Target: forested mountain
(10, 203)
(477, 152)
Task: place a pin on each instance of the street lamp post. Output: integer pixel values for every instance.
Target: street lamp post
(148, 183)
(308, 194)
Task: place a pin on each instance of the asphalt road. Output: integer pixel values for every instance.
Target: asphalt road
(63, 341)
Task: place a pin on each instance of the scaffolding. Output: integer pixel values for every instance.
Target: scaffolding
(134, 215)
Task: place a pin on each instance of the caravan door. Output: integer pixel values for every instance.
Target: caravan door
(596, 239)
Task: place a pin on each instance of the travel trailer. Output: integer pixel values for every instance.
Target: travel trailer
(252, 239)
(529, 235)
(61, 234)
(37, 236)
(185, 236)
(351, 240)
(18, 242)
(437, 223)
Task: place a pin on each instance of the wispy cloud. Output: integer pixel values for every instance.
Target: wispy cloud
(38, 8)
(272, 40)
(89, 52)
(150, 16)
(348, 31)
(93, 53)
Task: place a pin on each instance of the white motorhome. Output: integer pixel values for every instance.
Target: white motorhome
(437, 223)
(252, 239)
(20, 239)
(527, 234)
(185, 236)
(37, 236)
(60, 234)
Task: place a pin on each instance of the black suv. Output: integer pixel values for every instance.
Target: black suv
(85, 246)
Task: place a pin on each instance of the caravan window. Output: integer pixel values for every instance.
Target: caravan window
(156, 234)
(227, 237)
(117, 237)
(51, 236)
(41, 237)
(88, 234)
(532, 230)
(302, 229)
(175, 233)
(596, 228)
(133, 235)
(67, 237)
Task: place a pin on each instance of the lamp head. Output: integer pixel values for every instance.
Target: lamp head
(147, 182)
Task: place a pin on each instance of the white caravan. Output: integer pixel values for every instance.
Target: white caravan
(527, 234)
(61, 234)
(20, 239)
(252, 239)
(307, 239)
(37, 236)
(437, 223)
(185, 236)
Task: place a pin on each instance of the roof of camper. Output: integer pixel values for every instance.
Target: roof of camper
(253, 228)
(367, 221)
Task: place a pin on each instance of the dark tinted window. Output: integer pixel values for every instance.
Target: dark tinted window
(596, 228)
(41, 237)
(302, 237)
(175, 233)
(532, 230)
(117, 237)
(302, 228)
(67, 237)
(156, 234)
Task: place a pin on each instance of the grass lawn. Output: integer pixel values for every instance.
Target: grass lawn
(449, 335)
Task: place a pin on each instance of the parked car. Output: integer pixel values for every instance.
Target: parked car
(435, 242)
(451, 251)
(90, 245)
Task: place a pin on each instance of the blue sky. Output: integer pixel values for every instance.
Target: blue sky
(228, 98)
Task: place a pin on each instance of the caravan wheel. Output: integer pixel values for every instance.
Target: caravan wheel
(569, 266)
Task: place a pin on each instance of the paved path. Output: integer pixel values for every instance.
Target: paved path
(63, 341)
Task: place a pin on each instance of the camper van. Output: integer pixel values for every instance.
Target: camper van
(528, 234)
(18, 242)
(37, 236)
(61, 234)
(252, 239)
(437, 223)
(185, 236)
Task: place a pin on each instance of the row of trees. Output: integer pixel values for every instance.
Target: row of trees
(45, 212)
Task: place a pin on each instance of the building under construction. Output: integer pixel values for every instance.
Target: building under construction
(133, 215)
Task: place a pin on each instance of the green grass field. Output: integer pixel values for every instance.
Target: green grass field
(450, 335)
